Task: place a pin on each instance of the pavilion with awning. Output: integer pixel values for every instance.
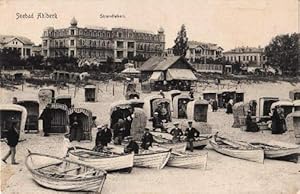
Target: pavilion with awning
(172, 72)
(180, 74)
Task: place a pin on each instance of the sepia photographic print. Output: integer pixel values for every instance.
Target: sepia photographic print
(150, 96)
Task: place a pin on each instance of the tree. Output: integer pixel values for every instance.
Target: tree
(10, 58)
(181, 42)
(282, 52)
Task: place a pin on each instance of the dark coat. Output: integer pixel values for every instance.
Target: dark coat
(191, 133)
(156, 122)
(103, 137)
(250, 125)
(47, 118)
(176, 132)
(12, 137)
(147, 141)
(229, 109)
(132, 147)
(277, 124)
(119, 130)
(76, 130)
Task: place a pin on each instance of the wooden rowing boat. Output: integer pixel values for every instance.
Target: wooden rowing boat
(200, 142)
(165, 141)
(65, 175)
(188, 160)
(108, 161)
(177, 147)
(152, 159)
(161, 137)
(237, 149)
(277, 150)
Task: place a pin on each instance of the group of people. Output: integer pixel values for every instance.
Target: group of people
(105, 135)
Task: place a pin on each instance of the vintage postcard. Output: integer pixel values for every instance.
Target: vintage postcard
(150, 96)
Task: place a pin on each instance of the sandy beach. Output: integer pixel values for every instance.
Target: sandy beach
(223, 174)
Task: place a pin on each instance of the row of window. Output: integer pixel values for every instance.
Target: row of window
(244, 58)
(208, 67)
(103, 34)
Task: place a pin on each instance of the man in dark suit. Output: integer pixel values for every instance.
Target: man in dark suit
(147, 139)
(191, 133)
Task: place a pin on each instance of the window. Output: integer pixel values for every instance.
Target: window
(255, 58)
(119, 34)
(119, 54)
(72, 53)
(244, 58)
(120, 44)
(72, 32)
(72, 43)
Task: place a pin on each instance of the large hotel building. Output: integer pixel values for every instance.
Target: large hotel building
(100, 43)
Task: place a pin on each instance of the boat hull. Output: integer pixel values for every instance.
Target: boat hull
(188, 161)
(89, 185)
(109, 164)
(64, 175)
(177, 147)
(254, 155)
(281, 152)
(153, 159)
(199, 144)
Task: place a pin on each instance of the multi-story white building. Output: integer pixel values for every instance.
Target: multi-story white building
(20, 44)
(246, 55)
(202, 51)
(117, 43)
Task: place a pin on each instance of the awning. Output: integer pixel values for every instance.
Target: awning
(157, 76)
(180, 74)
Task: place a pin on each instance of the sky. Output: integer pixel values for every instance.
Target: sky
(229, 23)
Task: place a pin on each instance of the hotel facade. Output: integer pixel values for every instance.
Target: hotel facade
(100, 43)
(246, 55)
(20, 44)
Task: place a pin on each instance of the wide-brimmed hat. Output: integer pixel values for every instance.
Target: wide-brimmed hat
(99, 127)
(176, 123)
(156, 113)
(190, 121)
(129, 137)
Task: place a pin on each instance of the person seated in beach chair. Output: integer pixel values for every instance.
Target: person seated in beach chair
(191, 133)
(147, 140)
(176, 132)
(132, 146)
(157, 123)
(250, 125)
(119, 130)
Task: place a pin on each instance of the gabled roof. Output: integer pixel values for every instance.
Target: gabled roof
(160, 63)
(209, 46)
(7, 38)
(245, 50)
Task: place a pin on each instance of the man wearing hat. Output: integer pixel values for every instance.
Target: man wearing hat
(103, 136)
(176, 132)
(132, 146)
(147, 139)
(250, 125)
(157, 122)
(191, 133)
(12, 141)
